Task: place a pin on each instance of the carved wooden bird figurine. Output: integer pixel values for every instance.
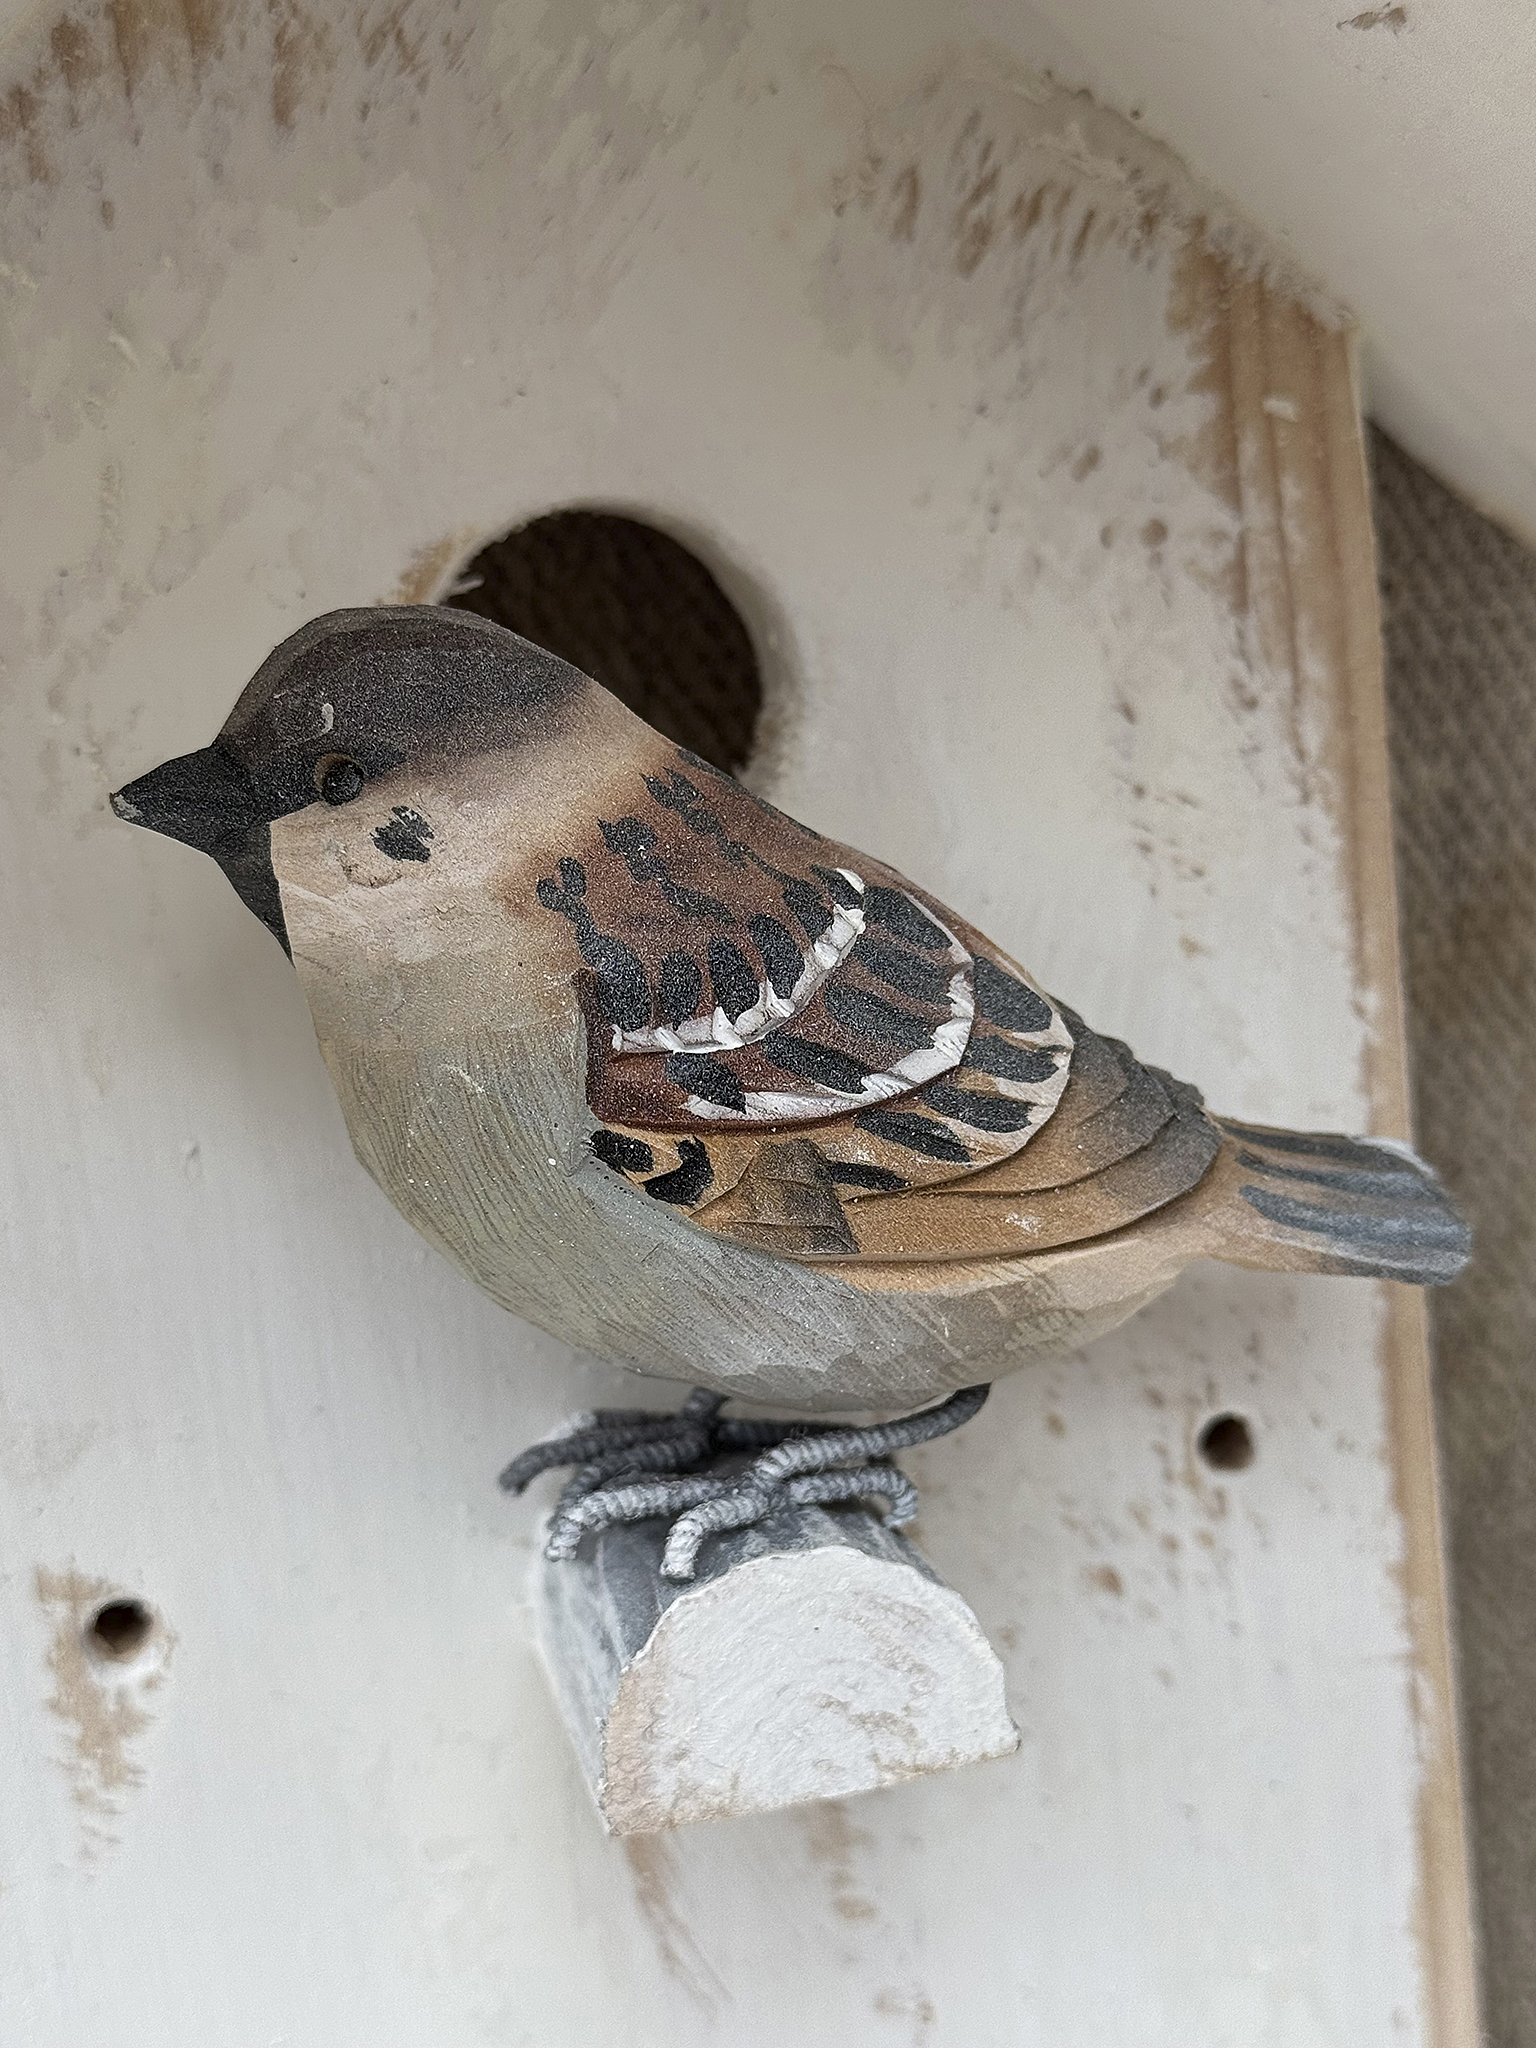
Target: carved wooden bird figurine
(692, 1087)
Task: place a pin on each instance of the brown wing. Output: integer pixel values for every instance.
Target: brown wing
(741, 974)
(1130, 1141)
(802, 1051)
(962, 1221)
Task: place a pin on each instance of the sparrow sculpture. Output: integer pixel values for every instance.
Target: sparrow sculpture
(689, 1085)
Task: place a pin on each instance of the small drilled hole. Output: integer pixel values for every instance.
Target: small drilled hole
(120, 1629)
(1226, 1442)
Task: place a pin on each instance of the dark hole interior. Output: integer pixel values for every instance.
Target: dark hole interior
(120, 1628)
(1226, 1442)
(632, 607)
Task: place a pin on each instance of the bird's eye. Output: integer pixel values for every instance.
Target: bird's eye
(338, 779)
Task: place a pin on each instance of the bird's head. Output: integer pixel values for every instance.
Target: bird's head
(346, 702)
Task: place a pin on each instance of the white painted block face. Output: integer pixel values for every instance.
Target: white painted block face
(812, 1660)
(1059, 616)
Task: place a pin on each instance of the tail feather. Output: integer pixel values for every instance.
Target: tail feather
(1326, 1203)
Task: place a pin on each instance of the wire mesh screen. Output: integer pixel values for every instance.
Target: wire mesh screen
(1459, 611)
(633, 608)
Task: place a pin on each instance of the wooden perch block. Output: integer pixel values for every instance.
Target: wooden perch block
(813, 1657)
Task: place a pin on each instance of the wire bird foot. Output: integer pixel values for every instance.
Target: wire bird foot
(709, 1472)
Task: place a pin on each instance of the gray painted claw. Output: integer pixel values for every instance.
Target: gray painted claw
(633, 1465)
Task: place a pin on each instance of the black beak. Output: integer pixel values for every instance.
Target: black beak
(201, 799)
(207, 800)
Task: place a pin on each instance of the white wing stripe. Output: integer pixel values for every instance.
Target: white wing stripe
(716, 1033)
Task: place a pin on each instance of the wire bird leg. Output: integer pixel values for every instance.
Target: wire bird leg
(633, 1464)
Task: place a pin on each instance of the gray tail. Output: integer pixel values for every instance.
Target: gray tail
(1314, 1201)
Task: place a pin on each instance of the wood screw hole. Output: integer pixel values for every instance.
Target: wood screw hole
(1226, 1443)
(119, 1629)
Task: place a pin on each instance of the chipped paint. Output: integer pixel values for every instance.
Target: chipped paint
(834, 1842)
(654, 1874)
(425, 576)
(1393, 18)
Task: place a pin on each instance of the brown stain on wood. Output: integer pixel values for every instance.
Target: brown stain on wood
(388, 38)
(303, 51)
(1276, 468)
(907, 195)
(1024, 214)
(653, 1873)
(835, 1842)
(915, 2006)
(145, 32)
(423, 575)
(19, 118)
(979, 174)
(103, 1707)
(1083, 240)
(1393, 18)
(88, 57)
(78, 59)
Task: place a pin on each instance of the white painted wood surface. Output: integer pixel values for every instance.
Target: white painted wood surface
(926, 367)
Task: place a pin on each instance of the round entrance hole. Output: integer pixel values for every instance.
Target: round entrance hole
(1226, 1443)
(632, 607)
(119, 1629)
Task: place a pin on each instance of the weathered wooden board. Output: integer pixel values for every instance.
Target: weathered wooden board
(1048, 515)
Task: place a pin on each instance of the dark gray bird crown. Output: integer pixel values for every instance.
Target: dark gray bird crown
(345, 699)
